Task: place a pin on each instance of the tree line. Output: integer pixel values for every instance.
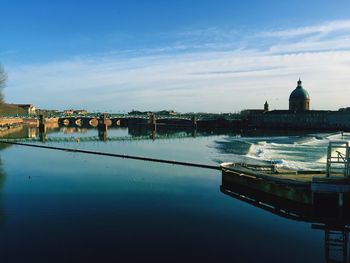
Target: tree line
(5, 108)
(3, 78)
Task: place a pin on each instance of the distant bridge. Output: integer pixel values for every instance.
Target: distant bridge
(124, 120)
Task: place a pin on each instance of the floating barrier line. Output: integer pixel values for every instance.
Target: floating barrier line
(115, 155)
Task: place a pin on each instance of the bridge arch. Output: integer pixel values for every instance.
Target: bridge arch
(93, 122)
(66, 122)
(79, 122)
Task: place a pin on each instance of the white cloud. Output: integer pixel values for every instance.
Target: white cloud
(217, 81)
(311, 45)
(324, 28)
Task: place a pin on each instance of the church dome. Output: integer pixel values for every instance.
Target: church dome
(299, 93)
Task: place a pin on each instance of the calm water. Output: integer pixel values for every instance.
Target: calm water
(65, 207)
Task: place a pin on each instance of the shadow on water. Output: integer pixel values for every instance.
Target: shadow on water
(335, 222)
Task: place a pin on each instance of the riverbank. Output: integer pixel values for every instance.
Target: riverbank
(7, 123)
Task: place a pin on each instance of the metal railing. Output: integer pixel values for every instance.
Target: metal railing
(338, 156)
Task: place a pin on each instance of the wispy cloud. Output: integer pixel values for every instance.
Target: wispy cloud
(324, 28)
(218, 72)
(214, 73)
(334, 35)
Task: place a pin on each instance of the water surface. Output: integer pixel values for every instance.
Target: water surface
(69, 207)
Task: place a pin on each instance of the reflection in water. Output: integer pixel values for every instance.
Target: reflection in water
(22, 131)
(72, 130)
(77, 134)
(334, 223)
(164, 131)
(2, 182)
(102, 134)
(32, 132)
(19, 132)
(42, 135)
(27, 132)
(80, 208)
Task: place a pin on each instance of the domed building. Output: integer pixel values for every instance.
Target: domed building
(299, 99)
(298, 117)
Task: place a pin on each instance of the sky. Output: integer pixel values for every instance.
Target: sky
(183, 55)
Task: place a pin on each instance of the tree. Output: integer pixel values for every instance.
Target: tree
(3, 78)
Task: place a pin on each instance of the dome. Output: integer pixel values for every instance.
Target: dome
(299, 93)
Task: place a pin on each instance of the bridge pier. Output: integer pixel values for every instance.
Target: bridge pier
(42, 123)
(102, 135)
(153, 122)
(42, 128)
(102, 127)
(194, 122)
(153, 125)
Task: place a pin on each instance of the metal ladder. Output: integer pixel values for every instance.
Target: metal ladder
(337, 161)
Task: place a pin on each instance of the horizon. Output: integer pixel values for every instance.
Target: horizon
(112, 56)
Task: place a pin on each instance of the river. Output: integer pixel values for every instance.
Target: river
(69, 207)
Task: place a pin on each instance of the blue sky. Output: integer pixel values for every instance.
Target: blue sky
(219, 56)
